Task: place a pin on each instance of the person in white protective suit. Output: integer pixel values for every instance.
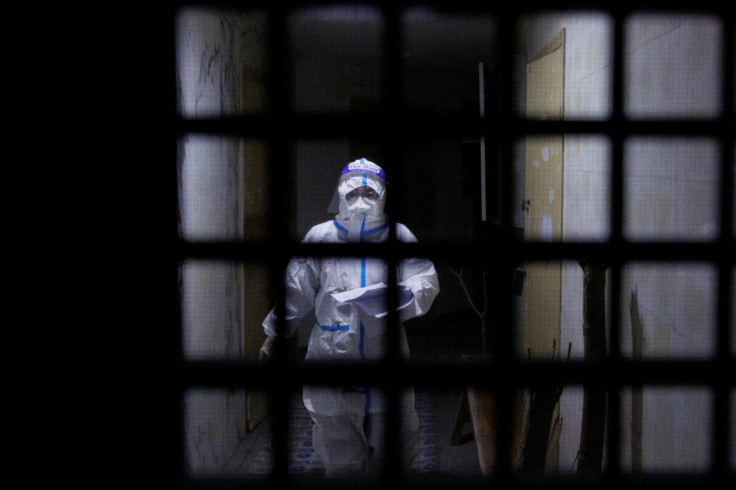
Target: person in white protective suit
(348, 423)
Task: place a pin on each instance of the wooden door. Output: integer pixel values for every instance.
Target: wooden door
(543, 205)
(543, 201)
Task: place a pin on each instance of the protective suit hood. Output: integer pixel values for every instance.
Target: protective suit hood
(362, 219)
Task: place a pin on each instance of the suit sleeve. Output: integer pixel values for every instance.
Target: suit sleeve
(419, 276)
(302, 282)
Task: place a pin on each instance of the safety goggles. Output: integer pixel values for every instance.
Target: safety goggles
(364, 191)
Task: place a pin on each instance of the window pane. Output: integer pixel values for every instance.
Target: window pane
(549, 309)
(582, 42)
(222, 306)
(441, 54)
(318, 167)
(220, 62)
(223, 188)
(436, 191)
(672, 66)
(337, 59)
(226, 433)
(586, 188)
(570, 422)
(666, 429)
(462, 326)
(668, 310)
(563, 185)
(671, 189)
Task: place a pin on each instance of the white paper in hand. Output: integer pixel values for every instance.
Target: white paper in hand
(372, 299)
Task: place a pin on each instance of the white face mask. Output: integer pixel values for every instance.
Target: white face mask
(361, 205)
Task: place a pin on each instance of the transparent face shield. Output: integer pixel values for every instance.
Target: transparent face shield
(334, 206)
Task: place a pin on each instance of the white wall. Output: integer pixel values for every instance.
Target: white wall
(670, 193)
(671, 189)
(214, 54)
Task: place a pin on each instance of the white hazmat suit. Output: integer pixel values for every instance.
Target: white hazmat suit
(347, 296)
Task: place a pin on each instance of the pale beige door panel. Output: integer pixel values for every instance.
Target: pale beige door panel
(543, 200)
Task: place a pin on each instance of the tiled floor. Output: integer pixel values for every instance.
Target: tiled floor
(446, 340)
(461, 460)
(431, 340)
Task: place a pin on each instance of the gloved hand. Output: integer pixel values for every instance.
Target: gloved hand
(266, 349)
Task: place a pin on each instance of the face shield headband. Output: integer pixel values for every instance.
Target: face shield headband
(364, 166)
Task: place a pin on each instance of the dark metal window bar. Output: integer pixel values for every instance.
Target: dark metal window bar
(281, 127)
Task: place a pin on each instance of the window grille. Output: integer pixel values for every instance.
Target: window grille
(280, 127)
